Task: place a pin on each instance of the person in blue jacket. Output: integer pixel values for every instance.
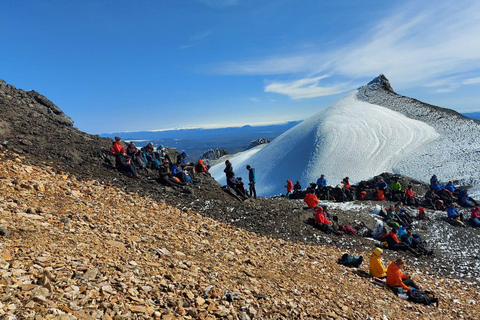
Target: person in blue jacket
(436, 186)
(453, 213)
(450, 187)
(321, 182)
(464, 199)
(381, 185)
(252, 179)
(434, 179)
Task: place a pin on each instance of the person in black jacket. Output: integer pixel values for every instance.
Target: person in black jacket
(252, 178)
(165, 176)
(228, 170)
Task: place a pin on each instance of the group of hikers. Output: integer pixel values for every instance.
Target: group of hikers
(237, 184)
(131, 160)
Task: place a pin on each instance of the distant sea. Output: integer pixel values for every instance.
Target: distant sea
(197, 141)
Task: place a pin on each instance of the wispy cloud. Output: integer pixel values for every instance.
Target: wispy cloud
(254, 99)
(307, 88)
(196, 39)
(417, 45)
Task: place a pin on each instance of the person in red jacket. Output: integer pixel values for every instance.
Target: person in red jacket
(393, 244)
(117, 147)
(289, 187)
(409, 198)
(323, 223)
(395, 278)
(311, 199)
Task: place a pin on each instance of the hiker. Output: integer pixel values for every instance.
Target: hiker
(434, 179)
(236, 185)
(322, 222)
(377, 269)
(162, 155)
(395, 278)
(436, 187)
(117, 147)
(148, 154)
(430, 199)
(439, 205)
(395, 189)
(131, 150)
(252, 179)
(321, 182)
(381, 185)
(346, 189)
(186, 166)
(201, 168)
(416, 242)
(390, 214)
(475, 217)
(453, 213)
(380, 195)
(410, 198)
(228, 169)
(450, 187)
(165, 176)
(395, 245)
(311, 199)
(178, 172)
(422, 214)
(297, 188)
(402, 215)
(465, 200)
(241, 187)
(289, 187)
(124, 164)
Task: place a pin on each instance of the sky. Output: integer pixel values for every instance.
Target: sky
(121, 65)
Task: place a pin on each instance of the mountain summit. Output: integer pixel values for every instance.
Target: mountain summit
(369, 131)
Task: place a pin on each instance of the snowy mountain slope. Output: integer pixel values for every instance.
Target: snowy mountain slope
(455, 155)
(350, 138)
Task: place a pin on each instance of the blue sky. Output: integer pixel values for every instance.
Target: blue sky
(157, 64)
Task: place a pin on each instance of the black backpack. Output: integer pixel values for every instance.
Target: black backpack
(423, 297)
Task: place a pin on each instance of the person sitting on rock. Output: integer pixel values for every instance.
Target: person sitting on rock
(395, 189)
(311, 199)
(241, 186)
(148, 154)
(436, 187)
(381, 185)
(422, 214)
(430, 199)
(321, 183)
(410, 198)
(434, 179)
(402, 215)
(289, 187)
(201, 168)
(124, 164)
(162, 155)
(450, 187)
(178, 172)
(396, 279)
(415, 241)
(392, 243)
(475, 217)
(117, 147)
(377, 269)
(322, 222)
(186, 166)
(454, 216)
(166, 178)
(465, 200)
(237, 186)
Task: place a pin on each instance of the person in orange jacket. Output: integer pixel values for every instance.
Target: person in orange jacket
(311, 199)
(395, 277)
(377, 269)
(320, 216)
(289, 187)
(117, 147)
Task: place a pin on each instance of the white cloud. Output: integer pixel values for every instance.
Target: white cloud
(471, 81)
(417, 45)
(306, 88)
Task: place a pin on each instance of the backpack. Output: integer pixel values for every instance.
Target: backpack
(348, 229)
(423, 297)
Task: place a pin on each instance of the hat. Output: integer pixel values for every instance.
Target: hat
(184, 154)
(378, 252)
(200, 161)
(227, 161)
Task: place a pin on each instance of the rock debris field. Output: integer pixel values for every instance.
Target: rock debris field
(83, 249)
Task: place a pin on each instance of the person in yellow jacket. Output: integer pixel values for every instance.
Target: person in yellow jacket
(376, 267)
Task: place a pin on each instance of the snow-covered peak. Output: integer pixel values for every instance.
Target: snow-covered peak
(380, 83)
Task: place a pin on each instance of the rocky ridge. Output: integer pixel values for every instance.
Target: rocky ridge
(88, 250)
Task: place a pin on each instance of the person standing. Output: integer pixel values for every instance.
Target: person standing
(228, 169)
(252, 178)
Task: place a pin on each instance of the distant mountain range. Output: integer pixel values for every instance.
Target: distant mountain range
(473, 115)
(198, 140)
